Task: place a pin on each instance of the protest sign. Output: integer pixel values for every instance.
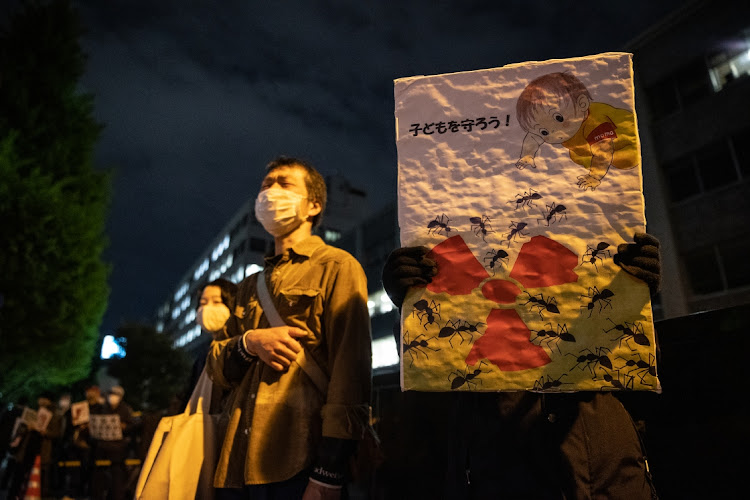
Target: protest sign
(105, 427)
(523, 180)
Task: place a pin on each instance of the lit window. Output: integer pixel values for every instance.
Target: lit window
(220, 248)
(202, 268)
(731, 62)
(331, 236)
(384, 352)
(386, 305)
(379, 303)
(181, 292)
(227, 263)
(238, 275)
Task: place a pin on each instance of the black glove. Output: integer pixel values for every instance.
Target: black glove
(642, 260)
(404, 268)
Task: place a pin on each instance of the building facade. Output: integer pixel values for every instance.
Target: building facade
(692, 75)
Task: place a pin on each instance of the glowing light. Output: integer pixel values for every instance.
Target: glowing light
(111, 348)
(252, 269)
(384, 352)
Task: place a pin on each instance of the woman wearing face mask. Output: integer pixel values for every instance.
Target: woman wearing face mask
(215, 303)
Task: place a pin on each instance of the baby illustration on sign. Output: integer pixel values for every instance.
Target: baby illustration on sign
(557, 108)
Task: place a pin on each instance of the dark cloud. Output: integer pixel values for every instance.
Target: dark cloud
(198, 96)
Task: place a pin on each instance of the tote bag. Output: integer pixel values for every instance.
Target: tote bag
(182, 456)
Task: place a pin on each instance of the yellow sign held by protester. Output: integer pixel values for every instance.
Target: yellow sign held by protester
(523, 180)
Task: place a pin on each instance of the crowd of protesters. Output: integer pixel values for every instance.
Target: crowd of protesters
(68, 448)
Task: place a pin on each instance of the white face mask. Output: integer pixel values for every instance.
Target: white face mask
(211, 317)
(278, 210)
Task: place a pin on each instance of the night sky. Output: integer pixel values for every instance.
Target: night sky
(197, 96)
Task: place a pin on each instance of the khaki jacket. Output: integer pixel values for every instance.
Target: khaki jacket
(275, 420)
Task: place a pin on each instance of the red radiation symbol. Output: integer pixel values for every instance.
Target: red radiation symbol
(542, 262)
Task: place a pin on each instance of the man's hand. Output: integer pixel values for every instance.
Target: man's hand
(315, 491)
(404, 268)
(277, 347)
(641, 259)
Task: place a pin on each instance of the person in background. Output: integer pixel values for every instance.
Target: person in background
(216, 302)
(287, 436)
(50, 438)
(77, 447)
(8, 435)
(521, 445)
(112, 478)
(22, 450)
(60, 448)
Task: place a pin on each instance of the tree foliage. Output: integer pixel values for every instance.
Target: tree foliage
(152, 371)
(53, 204)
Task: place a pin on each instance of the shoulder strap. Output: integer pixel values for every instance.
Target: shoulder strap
(305, 361)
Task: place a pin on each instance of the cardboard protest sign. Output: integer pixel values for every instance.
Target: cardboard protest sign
(523, 180)
(79, 412)
(29, 417)
(105, 427)
(43, 417)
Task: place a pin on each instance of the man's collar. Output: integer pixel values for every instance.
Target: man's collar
(304, 248)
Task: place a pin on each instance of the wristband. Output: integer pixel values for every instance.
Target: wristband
(245, 353)
(333, 480)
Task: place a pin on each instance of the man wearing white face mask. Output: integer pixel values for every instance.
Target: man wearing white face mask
(290, 433)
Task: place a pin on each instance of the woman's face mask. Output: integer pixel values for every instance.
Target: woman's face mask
(211, 317)
(278, 210)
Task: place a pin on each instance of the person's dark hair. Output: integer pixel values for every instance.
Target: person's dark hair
(314, 182)
(228, 292)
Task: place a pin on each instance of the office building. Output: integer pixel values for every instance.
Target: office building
(692, 73)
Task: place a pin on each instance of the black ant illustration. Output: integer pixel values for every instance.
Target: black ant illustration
(628, 332)
(526, 199)
(416, 346)
(596, 296)
(467, 377)
(554, 212)
(594, 254)
(550, 383)
(539, 303)
(641, 368)
(458, 327)
(552, 336)
(592, 359)
(494, 256)
(617, 383)
(516, 228)
(440, 223)
(481, 225)
(426, 311)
